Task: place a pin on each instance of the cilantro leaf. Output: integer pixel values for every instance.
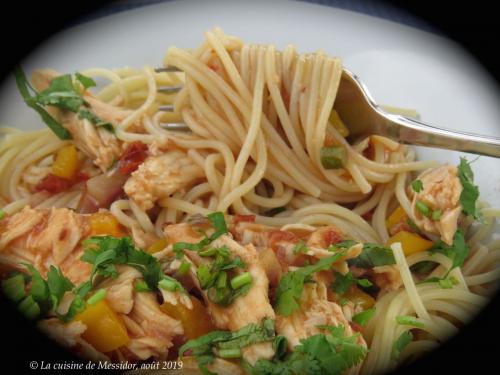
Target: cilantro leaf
(373, 255)
(58, 284)
(2, 214)
(330, 353)
(470, 192)
(87, 82)
(62, 94)
(417, 186)
(343, 282)
(364, 316)
(203, 347)
(31, 100)
(94, 119)
(218, 222)
(291, 285)
(401, 343)
(457, 252)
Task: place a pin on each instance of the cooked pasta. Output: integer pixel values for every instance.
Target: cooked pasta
(264, 190)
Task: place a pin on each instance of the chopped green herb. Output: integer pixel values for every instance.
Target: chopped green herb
(230, 353)
(300, 247)
(87, 82)
(219, 224)
(401, 343)
(333, 157)
(332, 353)
(29, 308)
(291, 285)
(373, 255)
(241, 280)
(413, 226)
(342, 282)
(30, 97)
(226, 342)
(470, 192)
(424, 267)
(364, 316)
(141, 286)
(97, 297)
(2, 214)
(342, 245)
(446, 282)
(13, 288)
(95, 120)
(423, 208)
(436, 215)
(417, 186)
(407, 320)
(457, 252)
(183, 268)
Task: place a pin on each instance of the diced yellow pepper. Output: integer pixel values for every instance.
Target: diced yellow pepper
(105, 330)
(338, 124)
(410, 242)
(157, 246)
(399, 215)
(196, 322)
(104, 223)
(360, 298)
(66, 162)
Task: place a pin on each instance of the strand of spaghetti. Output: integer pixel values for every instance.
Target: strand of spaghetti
(408, 281)
(253, 135)
(380, 213)
(141, 217)
(369, 204)
(117, 208)
(183, 206)
(335, 209)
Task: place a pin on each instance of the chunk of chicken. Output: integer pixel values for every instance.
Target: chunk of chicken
(252, 308)
(315, 309)
(69, 336)
(151, 331)
(120, 291)
(441, 191)
(97, 143)
(45, 237)
(160, 176)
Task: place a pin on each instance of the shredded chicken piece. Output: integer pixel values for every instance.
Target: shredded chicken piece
(441, 191)
(45, 237)
(69, 336)
(100, 145)
(120, 291)
(151, 330)
(161, 176)
(315, 310)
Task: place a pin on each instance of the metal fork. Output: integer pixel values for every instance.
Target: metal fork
(364, 117)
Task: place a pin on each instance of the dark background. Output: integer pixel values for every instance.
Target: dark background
(475, 25)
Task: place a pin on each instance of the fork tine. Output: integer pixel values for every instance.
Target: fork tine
(170, 89)
(166, 108)
(175, 127)
(168, 69)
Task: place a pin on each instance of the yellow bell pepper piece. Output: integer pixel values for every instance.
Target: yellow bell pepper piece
(399, 215)
(360, 298)
(410, 242)
(196, 322)
(157, 246)
(105, 330)
(66, 162)
(104, 223)
(338, 124)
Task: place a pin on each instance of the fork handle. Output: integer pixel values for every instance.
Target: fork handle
(407, 130)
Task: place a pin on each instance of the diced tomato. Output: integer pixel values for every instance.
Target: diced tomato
(332, 237)
(356, 327)
(244, 218)
(53, 184)
(134, 155)
(281, 235)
